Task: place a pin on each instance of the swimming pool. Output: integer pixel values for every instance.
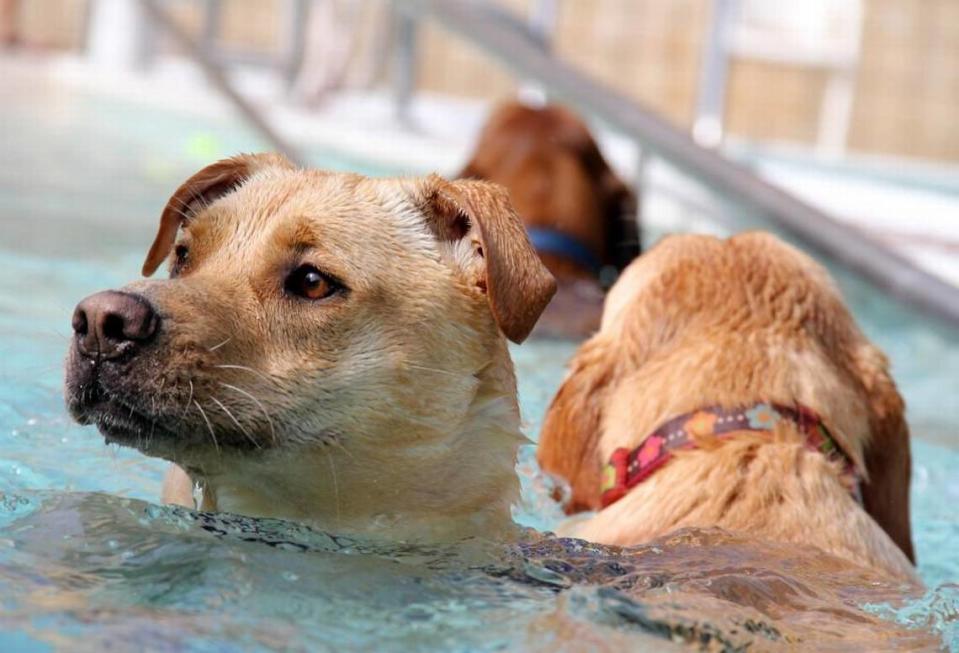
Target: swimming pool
(89, 561)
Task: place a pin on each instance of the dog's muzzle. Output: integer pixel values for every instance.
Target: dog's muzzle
(110, 329)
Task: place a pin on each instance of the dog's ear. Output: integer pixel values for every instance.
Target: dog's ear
(200, 190)
(470, 171)
(623, 236)
(619, 203)
(619, 206)
(886, 492)
(506, 267)
(569, 440)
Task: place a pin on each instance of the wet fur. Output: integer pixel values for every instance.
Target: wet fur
(388, 407)
(699, 321)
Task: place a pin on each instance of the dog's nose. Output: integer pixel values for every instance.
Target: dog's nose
(105, 322)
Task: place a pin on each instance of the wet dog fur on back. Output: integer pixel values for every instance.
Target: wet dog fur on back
(699, 321)
(328, 348)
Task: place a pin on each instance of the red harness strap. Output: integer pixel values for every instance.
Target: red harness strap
(628, 468)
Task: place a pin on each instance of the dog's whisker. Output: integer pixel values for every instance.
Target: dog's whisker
(184, 208)
(215, 347)
(247, 369)
(185, 211)
(434, 369)
(153, 410)
(339, 445)
(43, 369)
(153, 422)
(189, 399)
(257, 402)
(57, 333)
(226, 410)
(216, 445)
(183, 214)
(182, 202)
(336, 487)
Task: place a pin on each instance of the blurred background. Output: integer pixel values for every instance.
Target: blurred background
(848, 104)
(869, 77)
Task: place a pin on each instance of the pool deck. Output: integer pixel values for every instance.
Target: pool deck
(880, 197)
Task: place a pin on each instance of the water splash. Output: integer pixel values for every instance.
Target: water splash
(937, 611)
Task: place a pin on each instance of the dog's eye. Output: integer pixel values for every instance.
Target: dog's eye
(181, 254)
(308, 282)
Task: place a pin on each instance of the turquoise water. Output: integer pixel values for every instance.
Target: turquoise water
(88, 561)
(86, 554)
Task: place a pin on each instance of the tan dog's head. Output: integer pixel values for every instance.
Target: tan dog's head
(557, 178)
(698, 321)
(314, 314)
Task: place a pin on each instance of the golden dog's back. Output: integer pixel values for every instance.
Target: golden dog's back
(699, 321)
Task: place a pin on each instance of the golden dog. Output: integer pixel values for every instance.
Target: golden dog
(329, 348)
(729, 386)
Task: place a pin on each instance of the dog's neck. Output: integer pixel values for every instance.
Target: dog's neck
(772, 487)
(427, 482)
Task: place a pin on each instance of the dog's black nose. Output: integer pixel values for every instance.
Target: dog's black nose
(105, 322)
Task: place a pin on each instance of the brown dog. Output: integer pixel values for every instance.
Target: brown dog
(580, 216)
(729, 386)
(329, 348)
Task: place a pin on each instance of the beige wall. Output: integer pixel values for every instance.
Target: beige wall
(253, 25)
(55, 24)
(634, 45)
(907, 85)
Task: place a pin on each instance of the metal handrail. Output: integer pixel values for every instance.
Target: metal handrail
(489, 30)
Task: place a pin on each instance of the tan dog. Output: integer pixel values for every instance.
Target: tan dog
(329, 348)
(580, 216)
(699, 322)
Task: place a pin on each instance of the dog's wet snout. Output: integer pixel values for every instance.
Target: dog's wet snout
(104, 323)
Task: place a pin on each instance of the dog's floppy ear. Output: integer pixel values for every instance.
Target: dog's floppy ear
(623, 236)
(885, 495)
(619, 203)
(569, 439)
(202, 189)
(517, 284)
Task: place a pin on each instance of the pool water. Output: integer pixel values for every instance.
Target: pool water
(88, 558)
(89, 561)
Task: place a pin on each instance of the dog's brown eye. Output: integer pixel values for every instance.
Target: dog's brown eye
(308, 282)
(181, 253)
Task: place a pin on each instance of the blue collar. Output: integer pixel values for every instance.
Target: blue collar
(551, 241)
